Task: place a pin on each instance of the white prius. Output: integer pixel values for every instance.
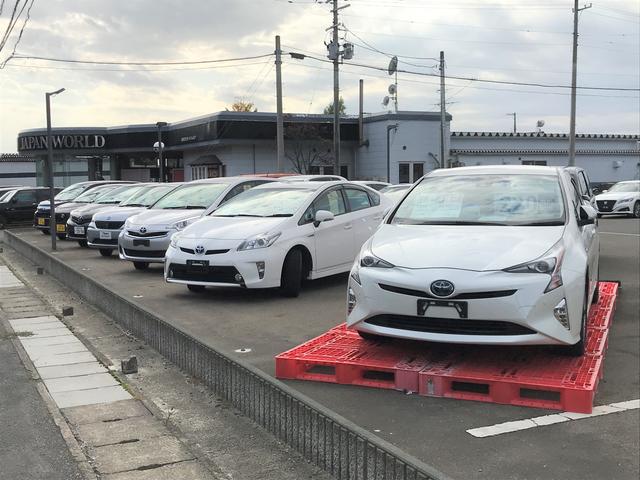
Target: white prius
(483, 255)
(276, 235)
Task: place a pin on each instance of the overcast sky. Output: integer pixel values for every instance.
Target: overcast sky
(492, 39)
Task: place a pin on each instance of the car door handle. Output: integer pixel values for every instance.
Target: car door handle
(348, 226)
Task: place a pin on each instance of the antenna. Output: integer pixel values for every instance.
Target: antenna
(393, 88)
(393, 65)
(539, 125)
(385, 101)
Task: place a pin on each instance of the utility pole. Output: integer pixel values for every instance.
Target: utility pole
(514, 115)
(161, 169)
(443, 114)
(279, 115)
(53, 225)
(574, 70)
(336, 91)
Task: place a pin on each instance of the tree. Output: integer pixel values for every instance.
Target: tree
(242, 106)
(328, 110)
(308, 145)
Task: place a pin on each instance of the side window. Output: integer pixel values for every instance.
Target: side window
(25, 197)
(584, 184)
(358, 199)
(309, 216)
(331, 201)
(375, 199)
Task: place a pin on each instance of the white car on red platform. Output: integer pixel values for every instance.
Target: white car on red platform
(481, 255)
(276, 235)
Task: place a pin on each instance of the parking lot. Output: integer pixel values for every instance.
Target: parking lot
(432, 429)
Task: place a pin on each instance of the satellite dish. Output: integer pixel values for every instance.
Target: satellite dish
(540, 123)
(393, 65)
(392, 89)
(385, 101)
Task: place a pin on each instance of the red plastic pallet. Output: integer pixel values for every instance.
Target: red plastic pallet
(531, 376)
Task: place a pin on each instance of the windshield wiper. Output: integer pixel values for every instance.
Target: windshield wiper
(281, 215)
(238, 215)
(194, 207)
(133, 205)
(551, 223)
(457, 222)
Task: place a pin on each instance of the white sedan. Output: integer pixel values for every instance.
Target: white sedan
(621, 198)
(481, 255)
(276, 235)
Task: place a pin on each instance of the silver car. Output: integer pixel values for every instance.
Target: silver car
(104, 229)
(145, 237)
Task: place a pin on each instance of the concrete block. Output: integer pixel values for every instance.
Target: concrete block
(63, 359)
(60, 371)
(129, 366)
(106, 412)
(90, 397)
(131, 456)
(67, 311)
(43, 319)
(127, 430)
(82, 382)
(54, 332)
(43, 350)
(37, 327)
(191, 470)
(39, 270)
(59, 340)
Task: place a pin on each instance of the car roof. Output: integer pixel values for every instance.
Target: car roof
(628, 181)
(232, 180)
(496, 169)
(307, 178)
(311, 186)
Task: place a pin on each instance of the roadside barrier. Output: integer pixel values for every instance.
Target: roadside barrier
(321, 436)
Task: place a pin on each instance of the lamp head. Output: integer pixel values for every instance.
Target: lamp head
(57, 92)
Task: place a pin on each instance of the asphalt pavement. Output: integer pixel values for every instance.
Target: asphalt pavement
(432, 429)
(31, 446)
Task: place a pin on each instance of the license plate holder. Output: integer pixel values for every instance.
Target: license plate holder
(41, 221)
(138, 242)
(78, 230)
(61, 228)
(197, 264)
(105, 235)
(461, 307)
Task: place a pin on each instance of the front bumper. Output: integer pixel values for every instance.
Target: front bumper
(41, 220)
(76, 231)
(612, 207)
(224, 267)
(494, 316)
(102, 238)
(149, 249)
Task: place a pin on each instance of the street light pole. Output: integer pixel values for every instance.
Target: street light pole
(52, 192)
(393, 127)
(160, 125)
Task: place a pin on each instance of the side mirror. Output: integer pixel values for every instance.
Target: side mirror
(586, 198)
(586, 215)
(14, 200)
(322, 216)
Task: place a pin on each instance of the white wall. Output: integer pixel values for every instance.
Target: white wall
(22, 173)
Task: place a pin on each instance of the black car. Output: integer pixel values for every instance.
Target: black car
(17, 205)
(70, 193)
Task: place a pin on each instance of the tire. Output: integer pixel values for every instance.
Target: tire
(106, 252)
(83, 243)
(636, 209)
(599, 215)
(578, 349)
(196, 288)
(45, 232)
(61, 236)
(291, 278)
(141, 265)
(3, 223)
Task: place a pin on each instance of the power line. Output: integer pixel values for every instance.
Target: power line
(482, 80)
(110, 62)
(15, 45)
(125, 70)
(12, 22)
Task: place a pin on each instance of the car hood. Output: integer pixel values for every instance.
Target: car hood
(616, 195)
(231, 228)
(117, 213)
(164, 217)
(462, 247)
(68, 207)
(90, 209)
(45, 204)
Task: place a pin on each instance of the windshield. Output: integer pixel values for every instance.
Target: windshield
(72, 191)
(626, 187)
(147, 196)
(483, 200)
(199, 196)
(6, 196)
(271, 202)
(117, 195)
(395, 194)
(93, 194)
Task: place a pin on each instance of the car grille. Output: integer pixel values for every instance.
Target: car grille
(144, 253)
(133, 233)
(214, 274)
(80, 220)
(449, 326)
(102, 241)
(109, 225)
(208, 252)
(461, 296)
(61, 216)
(605, 205)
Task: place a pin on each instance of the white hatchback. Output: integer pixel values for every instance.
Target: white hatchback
(482, 255)
(276, 235)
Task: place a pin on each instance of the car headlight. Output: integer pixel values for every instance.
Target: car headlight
(127, 224)
(550, 263)
(625, 200)
(174, 240)
(263, 240)
(181, 225)
(92, 224)
(368, 259)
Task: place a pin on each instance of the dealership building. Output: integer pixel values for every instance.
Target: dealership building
(399, 146)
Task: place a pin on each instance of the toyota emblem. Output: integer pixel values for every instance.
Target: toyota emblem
(143, 230)
(442, 288)
(199, 249)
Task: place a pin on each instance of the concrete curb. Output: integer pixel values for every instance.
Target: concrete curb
(323, 437)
